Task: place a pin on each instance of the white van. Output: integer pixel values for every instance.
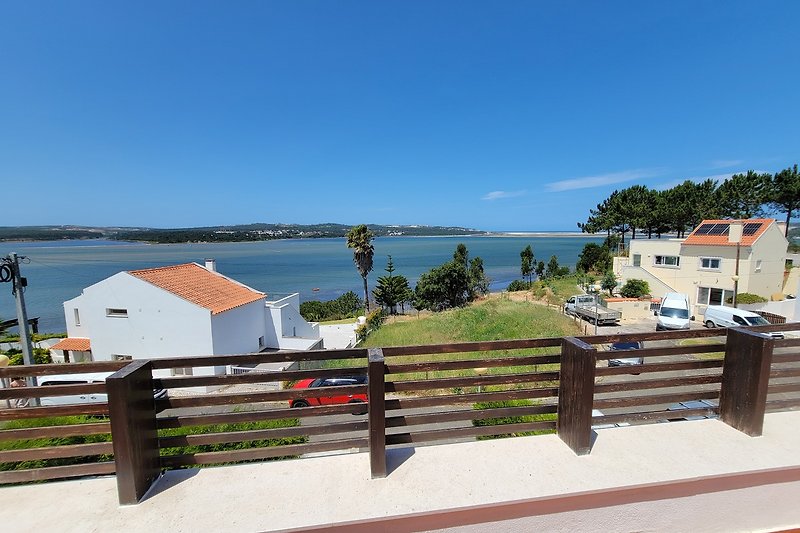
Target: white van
(80, 379)
(674, 312)
(721, 316)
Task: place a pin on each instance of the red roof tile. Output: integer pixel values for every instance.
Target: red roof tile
(696, 238)
(198, 285)
(73, 344)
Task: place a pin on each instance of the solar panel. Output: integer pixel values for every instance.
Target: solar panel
(703, 229)
(751, 228)
(719, 229)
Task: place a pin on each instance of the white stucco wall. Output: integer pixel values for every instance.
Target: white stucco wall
(285, 321)
(158, 324)
(237, 331)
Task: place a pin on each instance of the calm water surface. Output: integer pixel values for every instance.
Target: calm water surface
(59, 270)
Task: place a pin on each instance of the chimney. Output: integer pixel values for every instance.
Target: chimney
(211, 265)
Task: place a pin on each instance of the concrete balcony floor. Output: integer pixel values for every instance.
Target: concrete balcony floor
(681, 476)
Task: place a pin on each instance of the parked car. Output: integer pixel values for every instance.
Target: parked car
(674, 312)
(80, 379)
(329, 400)
(624, 347)
(721, 316)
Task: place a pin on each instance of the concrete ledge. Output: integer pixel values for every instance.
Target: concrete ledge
(699, 475)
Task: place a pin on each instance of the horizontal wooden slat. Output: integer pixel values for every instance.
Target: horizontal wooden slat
(654, 336)
(62, 368)
(56, 452)
(787, 343)
(457, 433)
(783, 387)
(641, 384)
(256, 415)
(256, 358)
(667, 350)
(634, 401)
(52, 390)
(792, 403)
(438, 366)
(256, 377)
(259, 434)
(784, 373)
(55, 431)
(455, 399)
(461, 347)
(448, 383)
(653, 415)
(258, 397)
(99, 409)
(659, 367)
(779, 358)
(56, 472)
(468, 414)
(253, 454)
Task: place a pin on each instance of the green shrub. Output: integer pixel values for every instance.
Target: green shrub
(41, 356)
(519, 285)
(374, 322)
(348, 305)
(747, 298)
(635, 288)
(499, 421)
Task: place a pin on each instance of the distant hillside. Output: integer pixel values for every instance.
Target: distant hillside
(238, 233)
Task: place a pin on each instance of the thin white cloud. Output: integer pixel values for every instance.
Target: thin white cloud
(725, 163)
(588, 182)
(497, 195)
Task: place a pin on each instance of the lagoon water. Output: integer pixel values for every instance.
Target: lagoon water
(58, 271)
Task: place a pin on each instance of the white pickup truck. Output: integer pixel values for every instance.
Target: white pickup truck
(587, 306)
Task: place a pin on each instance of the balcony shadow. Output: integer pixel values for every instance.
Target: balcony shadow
(170, 479)
(395, 458)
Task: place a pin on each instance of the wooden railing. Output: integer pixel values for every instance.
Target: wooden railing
(417, 395)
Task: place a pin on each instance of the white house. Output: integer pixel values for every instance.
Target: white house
(180, 310)
(704, 265)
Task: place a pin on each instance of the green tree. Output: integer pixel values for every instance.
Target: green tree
(609, 282)
(743, 195)
(391, 290)
(527, 262)
(453, 284)
(594, 258)
(783, 193)
(359, 239)
(635, 288)
(552, 267)
(540, 269)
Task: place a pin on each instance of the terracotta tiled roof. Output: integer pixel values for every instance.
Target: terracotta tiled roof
(198, 285)
(715, 232)
(73, 344)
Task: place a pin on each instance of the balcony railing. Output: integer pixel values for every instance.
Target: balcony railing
(417, 395)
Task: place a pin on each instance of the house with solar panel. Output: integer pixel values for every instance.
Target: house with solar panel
(179, 310)
(718, 257)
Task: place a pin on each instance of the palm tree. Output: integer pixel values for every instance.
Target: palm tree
(359, 238)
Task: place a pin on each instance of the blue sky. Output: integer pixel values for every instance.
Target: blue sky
(513, 116)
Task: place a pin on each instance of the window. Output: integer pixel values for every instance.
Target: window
(758, 265)
(637, 260)
(77, 317)
(187, 371)
(667, 260)
(117, 357)
(713, 296)
(261, 342)
(710, 263)
(117, 313)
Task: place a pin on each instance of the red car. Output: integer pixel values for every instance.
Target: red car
(329, 400)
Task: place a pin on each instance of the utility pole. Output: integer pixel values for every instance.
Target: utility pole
(18, 288)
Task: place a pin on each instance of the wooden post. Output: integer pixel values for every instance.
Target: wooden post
(575, 394)
(745, 379)
(377, 412)
(134, 433)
